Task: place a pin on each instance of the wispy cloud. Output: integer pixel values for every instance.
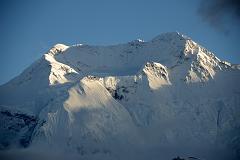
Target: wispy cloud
(218, 13)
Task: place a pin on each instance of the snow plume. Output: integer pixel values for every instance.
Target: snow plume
(217, 12)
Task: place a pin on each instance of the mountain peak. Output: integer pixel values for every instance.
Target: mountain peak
(171, 36)
(57, 48)
(166, 92)
(60, 46)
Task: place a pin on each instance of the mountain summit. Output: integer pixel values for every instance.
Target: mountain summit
(159, 99)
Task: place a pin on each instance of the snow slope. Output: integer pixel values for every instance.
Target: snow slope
(160, 99)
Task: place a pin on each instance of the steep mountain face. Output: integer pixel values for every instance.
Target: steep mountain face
(156, 99)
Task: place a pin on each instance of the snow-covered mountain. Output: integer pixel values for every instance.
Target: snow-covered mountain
(159, 99)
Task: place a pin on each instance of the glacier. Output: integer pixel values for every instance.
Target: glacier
(159, 99)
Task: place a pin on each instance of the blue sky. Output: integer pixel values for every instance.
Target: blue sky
(29, 28)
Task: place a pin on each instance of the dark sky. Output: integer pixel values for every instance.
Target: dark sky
(29, 28)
